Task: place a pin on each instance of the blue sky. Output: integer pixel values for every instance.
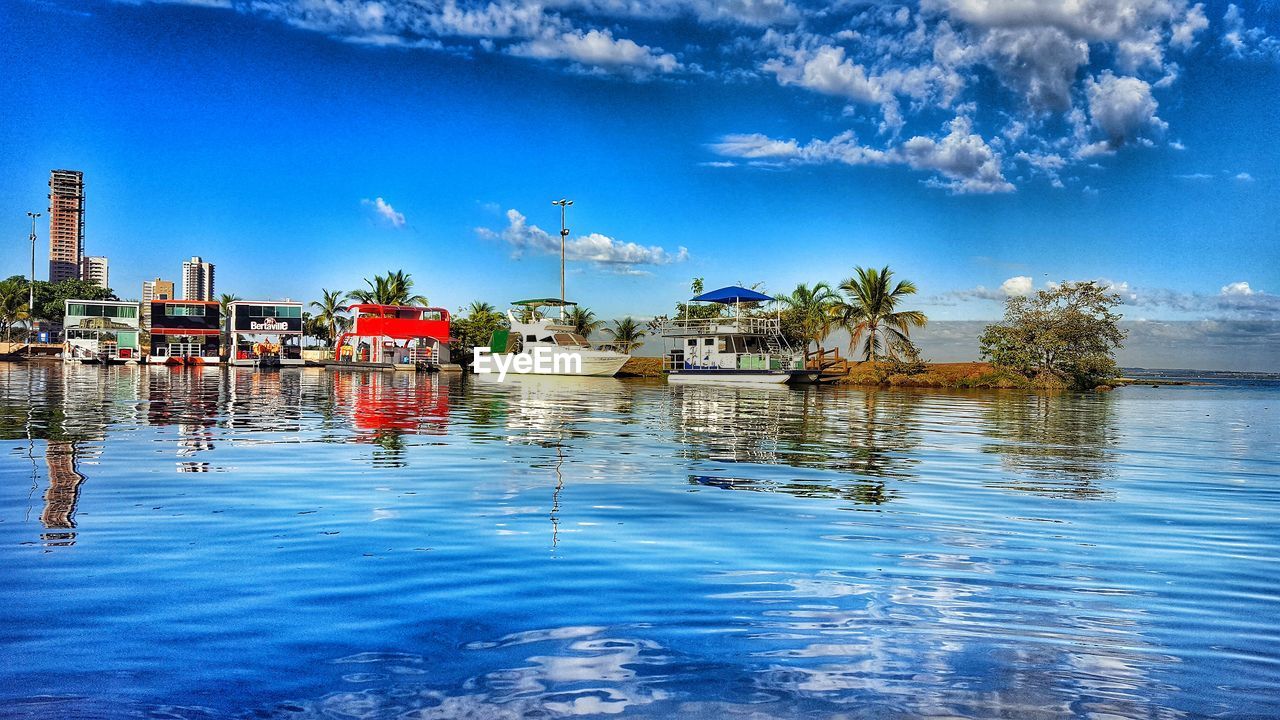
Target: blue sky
(980, 148)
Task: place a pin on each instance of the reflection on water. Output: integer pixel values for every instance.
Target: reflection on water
(1058, 444)
(213, 543)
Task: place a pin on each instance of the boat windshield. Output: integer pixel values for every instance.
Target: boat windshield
(571, 340)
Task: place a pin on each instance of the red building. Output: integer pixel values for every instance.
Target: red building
(396, 336)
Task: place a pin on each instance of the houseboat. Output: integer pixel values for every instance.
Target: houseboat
(394, 336)
(101, 331)
(732, 349)
(265, 333)
(539, 345)
(185, 332)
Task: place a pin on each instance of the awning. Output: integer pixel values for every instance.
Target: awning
(544, 302)
(732, 294)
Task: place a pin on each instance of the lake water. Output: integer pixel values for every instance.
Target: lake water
(301, 544)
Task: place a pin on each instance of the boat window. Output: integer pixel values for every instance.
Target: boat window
(691, 342)
(708, 341)
(531, 338)
(721, 344)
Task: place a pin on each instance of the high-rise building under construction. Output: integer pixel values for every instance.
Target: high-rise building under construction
(66, 225)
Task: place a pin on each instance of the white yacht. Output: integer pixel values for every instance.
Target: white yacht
(540, 345)
(737, 349)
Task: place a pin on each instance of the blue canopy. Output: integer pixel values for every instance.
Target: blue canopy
(732, 294)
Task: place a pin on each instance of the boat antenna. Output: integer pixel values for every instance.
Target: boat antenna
(564, 233)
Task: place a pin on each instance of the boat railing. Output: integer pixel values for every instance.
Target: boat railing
(723, 326)
(429, 355)
(675, 361)
(619, 346)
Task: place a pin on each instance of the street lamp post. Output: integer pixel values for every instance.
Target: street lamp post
(564, 233)
(31, 286)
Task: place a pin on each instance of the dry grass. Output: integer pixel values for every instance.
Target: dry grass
(642, 367)
(937, 375)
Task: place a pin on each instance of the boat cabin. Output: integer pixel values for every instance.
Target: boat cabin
(185, 332)
(264, 332)
(736, 348)
(101, 331)
(397, 336)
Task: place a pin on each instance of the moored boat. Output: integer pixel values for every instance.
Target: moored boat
(539, 345)
(737, 349)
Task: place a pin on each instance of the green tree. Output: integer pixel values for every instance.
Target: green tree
(806, 314)
(329, 311)
(224, 314)
(13, 304)
(584, 321)
(51, 297)
(395, 288)
(1069, 332)
(870, 307)
(473, 327)
(627, 333)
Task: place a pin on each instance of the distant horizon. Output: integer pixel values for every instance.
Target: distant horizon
(980, 152)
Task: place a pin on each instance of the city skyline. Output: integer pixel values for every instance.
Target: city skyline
(981, 155)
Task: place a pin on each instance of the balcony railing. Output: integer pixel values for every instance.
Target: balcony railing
(722, 326)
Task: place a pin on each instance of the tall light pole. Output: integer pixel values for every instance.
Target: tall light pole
(564, 233)
(31, 287)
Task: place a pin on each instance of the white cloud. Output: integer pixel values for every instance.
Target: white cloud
(963, 161)
(618, 256)
(966, 160)
(384, 210)
(598, 49)
(1184, 33)
(1122, 108)
(1069, 79)
(1244, 177)
(1238, 288)
(1020, 285)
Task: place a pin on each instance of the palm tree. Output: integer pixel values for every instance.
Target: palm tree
(224, 303)
(584, 321)
(396, 288)
(480, 307)
(813, 306)
(626, 333)
(224, 310)
(870, 306)
(329, 310)
(13, 307)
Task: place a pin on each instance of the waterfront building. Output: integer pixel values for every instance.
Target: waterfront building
(154, 290)
(185, 332)
(395, 336)
(101, 331)
(66, 225)
(265, 332)
(94, 269)
(197, 279)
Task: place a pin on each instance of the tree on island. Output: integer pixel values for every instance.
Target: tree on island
(870, 307)
(626, 333)
(1066, 334)
(807, 314)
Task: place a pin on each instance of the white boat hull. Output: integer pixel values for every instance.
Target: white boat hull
(742, 377)
(590, 364)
